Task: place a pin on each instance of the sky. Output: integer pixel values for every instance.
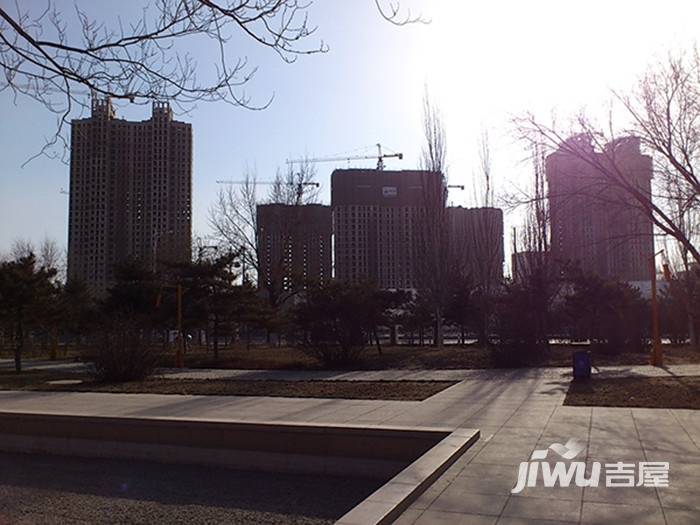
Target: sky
(482, 63)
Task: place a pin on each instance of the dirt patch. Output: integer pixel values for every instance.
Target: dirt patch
(638, 392)
(382, 390)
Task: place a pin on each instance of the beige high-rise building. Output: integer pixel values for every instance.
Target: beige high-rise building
(596, 224)
(377, 216)
(379, 220)
(130, 193)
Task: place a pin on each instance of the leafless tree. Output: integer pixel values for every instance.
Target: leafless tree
(233, 220)
(48, 255)
(55, 55)
(51, 255)
(434, 260)
(434, 152)
(536, 232)
(22, 248)
(296, 185)
(391, 12)
(684, 282)
(483, 246)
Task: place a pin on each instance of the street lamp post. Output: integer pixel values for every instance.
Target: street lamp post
(180, 340)
(656, 358)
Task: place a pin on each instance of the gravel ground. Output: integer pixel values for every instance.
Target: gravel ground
(38, 490)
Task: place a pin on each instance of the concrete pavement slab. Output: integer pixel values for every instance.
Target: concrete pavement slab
(516, 410)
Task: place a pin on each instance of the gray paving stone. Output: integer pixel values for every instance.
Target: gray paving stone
(485, 470)
(682, 517)
(606, 513)
(432, 517)
(454, 499)
(489, 484)
(674, 498)
(623, 495)
(570, 493)
(543, 509)
(508, 520)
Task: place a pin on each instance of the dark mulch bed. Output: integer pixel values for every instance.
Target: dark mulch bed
(417, 358)
(263, 357)
(638, 392)
(383, 390)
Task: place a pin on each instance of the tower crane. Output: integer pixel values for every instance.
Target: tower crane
(299, 185)
(380, 156)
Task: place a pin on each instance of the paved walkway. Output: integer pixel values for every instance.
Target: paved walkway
(517, 411)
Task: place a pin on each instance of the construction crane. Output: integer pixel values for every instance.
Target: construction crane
(380, 156)
(299, 185)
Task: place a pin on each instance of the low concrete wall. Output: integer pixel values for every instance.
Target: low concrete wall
(372, 451)
(410, 457)
(388, 502)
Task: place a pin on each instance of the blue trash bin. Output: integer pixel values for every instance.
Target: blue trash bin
(582, 364)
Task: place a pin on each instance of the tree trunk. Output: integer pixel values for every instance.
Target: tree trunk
(216, 336)
(692, 333)
(376, 339)
(53, 351)
(439, 328)
(19, 346)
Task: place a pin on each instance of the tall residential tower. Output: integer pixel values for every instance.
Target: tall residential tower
(595, 222)
(130, 193)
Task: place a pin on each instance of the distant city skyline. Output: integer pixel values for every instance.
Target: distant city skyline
(481, 64)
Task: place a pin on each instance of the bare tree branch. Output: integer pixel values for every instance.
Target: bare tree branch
(56, 56)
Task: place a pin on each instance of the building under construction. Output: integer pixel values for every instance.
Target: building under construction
(376, 224)
(476, 240)
(379, 222)
(294, 245)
